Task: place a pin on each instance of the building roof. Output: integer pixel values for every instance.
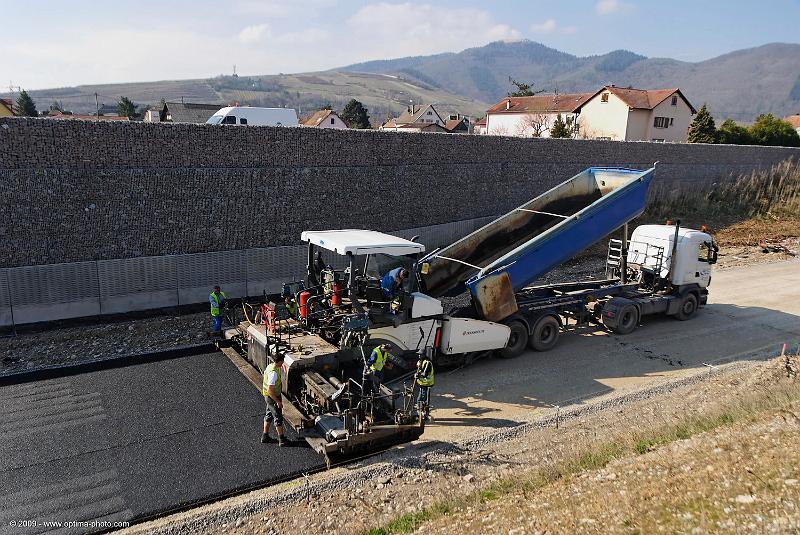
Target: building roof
(481, 121)
(642, 99)
(189, 112)
(59, 115)
(562, 103)
(316, 118)
(8, 104)
(793, 120)
(456, 124)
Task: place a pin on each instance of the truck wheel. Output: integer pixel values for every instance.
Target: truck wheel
(688, 307)
(628, 319)
(545, 334)
(516, 342)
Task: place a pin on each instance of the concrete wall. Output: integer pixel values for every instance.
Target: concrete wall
(75, 192)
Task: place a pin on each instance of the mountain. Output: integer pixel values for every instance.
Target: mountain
(382, 94)
(739, 85)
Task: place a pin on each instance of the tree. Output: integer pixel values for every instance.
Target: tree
(563, 128)
(731, 133)
(26, 107)
(126, 108)
(703, 129)
(355, 115)
(523, 89)
(535, 123)
(769, 130)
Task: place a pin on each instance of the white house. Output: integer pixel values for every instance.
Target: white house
(635, 114)
(532, 116)
(324, 119)
(794, 120)
(422, 118)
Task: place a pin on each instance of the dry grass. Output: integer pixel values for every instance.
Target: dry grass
(776, 393)
(761, 205)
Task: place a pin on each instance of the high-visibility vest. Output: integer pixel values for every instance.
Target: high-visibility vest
(264, 384)
(425, 373)
(215, 301)
(291, 307)
(380, 359)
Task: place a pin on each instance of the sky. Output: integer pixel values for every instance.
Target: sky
(45, 44)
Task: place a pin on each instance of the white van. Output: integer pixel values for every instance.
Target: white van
(254, 116)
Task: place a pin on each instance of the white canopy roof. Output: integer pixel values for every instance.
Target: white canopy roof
(361, 242)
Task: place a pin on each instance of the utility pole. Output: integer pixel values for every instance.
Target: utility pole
(96, 106)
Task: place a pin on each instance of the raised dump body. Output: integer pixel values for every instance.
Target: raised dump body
(531, 240)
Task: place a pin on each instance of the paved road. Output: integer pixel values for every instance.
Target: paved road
(124, 443)
(751, 311)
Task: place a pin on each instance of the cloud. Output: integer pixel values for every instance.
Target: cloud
(551, 26)
(415, 29)
(607, 7)
(253, 34)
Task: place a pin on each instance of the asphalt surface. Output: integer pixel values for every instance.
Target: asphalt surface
(128, 443)
(752, 312)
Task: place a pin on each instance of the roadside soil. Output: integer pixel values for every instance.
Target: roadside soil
(741, 475)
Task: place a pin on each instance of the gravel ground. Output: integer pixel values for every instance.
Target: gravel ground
(71, 345)
(363, 497)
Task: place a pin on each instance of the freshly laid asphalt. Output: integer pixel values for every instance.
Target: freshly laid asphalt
(132, 442)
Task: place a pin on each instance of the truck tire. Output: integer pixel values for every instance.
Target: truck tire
(628, 319)
(688, 307)
(544, 336)
(516, 342)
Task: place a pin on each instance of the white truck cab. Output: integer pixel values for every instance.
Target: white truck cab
(252, 116)
(651, 248)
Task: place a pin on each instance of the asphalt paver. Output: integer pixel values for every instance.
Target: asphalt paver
(129, 443)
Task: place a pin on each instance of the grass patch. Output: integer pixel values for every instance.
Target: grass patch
(596, 456)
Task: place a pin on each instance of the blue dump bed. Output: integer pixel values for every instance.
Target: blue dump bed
(519, 247)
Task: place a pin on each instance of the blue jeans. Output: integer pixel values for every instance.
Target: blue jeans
(217, 323)
(423, 393)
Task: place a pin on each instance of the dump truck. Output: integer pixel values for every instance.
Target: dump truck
(343, 312)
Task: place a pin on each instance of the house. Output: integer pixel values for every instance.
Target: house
(630, 114)
(6, 108)
(532, 116)
(152, 115)
(794, 120)
(188, 112)
(480, 126)
(416, 119)
(64, 116)
(457, 124)
(109, 110)
(324, 119)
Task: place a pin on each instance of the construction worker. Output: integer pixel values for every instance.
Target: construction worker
(392, 282)
(217, 300)
(424, 377)
(291, 306)
(373, 369)
(271, 389)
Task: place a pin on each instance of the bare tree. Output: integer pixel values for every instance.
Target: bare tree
(535, 124)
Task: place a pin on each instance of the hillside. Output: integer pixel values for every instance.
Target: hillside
(380, 93)
(739, 85)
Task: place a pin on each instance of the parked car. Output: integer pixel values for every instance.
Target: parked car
(247, 115)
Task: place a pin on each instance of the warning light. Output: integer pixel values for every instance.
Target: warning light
(669, 221)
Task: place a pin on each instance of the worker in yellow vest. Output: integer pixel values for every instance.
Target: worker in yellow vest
(373, 369)
(217, 300)
(271, 389)
(424, 377)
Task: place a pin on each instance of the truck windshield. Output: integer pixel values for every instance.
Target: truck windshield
(379, 265)
(214, 119)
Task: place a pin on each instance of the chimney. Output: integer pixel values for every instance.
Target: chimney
(508, 104)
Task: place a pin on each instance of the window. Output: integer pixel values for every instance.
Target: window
(605, 138)
(332, 121)
(671, 120)
(230, 119)
(674, 100)
(430, 112)
(656, 140)
(661, 122)
(242, 120)
(604, 97)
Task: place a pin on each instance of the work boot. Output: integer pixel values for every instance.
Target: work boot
(282, 440)
(265, 438)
